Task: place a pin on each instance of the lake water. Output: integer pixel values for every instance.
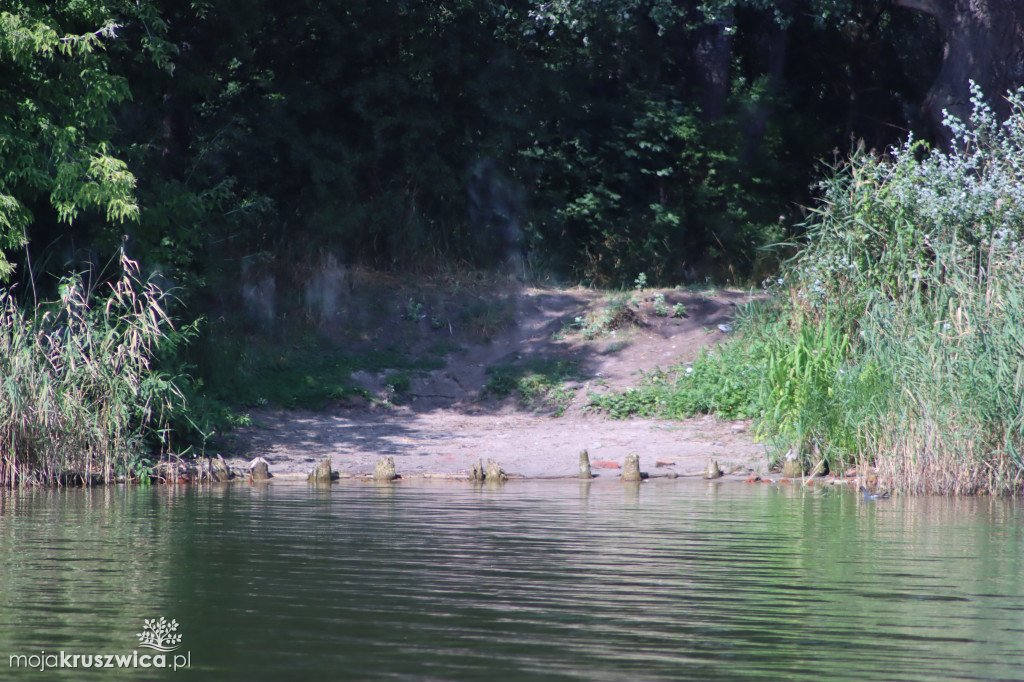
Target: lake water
(533, 580)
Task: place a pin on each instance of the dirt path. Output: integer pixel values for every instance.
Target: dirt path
(448, 422)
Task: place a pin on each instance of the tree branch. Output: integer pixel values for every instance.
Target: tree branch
(935, 8)
(108, 30)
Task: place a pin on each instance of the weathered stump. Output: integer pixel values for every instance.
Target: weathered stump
(219, 470)
(385, 469)
(713, 471)
(631, 468)
(494, 473)
(176, 472)
(322, 472)
(477, 474)
(259, 469)
(793, 467)
(585, 471)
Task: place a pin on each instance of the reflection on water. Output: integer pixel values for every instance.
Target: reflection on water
(590, 581)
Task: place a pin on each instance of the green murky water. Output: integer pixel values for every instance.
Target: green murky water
(536, 580)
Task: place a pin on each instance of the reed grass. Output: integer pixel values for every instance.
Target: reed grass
(79, 398)
(910, 287)
(895, 336)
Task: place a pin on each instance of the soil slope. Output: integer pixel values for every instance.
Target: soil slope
(447, 420)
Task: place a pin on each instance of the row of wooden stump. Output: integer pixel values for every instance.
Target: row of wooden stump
(492, 472)
(216, 469)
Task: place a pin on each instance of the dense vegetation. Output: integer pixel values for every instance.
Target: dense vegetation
(592, 140)
(243, 152)
(894, 338)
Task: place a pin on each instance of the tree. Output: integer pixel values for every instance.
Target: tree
(56, 116)
(984, 43)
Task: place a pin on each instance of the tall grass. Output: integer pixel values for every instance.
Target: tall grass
(912, 271)
(79, 398)
(898, 333)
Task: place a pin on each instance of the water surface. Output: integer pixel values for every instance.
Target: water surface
(534, 580)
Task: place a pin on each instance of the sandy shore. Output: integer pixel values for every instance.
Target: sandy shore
(448, 443)
(447, 422)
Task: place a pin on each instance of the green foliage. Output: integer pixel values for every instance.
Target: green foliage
(896, 338)
(80, 396)
(920, 253)
(255, 128)
(726, 380)
(660, 190)
(802, 373)
(538, 382)
(413, 311)
(56, 115)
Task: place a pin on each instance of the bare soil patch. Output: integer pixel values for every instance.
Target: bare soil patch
(446, 420)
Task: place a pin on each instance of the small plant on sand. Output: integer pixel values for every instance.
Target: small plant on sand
(660, 307)
(414, 311)
(678, 310)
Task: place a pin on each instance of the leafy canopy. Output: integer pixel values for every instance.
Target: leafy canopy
(56, 119)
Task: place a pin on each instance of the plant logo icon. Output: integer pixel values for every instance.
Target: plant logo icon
(159, 635)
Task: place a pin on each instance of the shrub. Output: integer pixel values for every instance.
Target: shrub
(897, 337)
(912, 275)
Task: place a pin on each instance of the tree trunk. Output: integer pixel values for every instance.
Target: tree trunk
(984, 43)
(711, 59)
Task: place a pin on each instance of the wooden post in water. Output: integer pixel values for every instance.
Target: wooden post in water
(385, 469)
(631, 469)
(713, 471)
(259, 469)
(793, 467)
(220, 471)
(494, 473)
(585, 471)
(322, 472)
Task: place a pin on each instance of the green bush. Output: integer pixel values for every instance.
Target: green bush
(912, 268)
(897, 337)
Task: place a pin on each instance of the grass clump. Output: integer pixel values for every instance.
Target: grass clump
(617, 313)
(538, 381)
(80, 398)
(484, 318)
(912, 276)
(723, 380)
